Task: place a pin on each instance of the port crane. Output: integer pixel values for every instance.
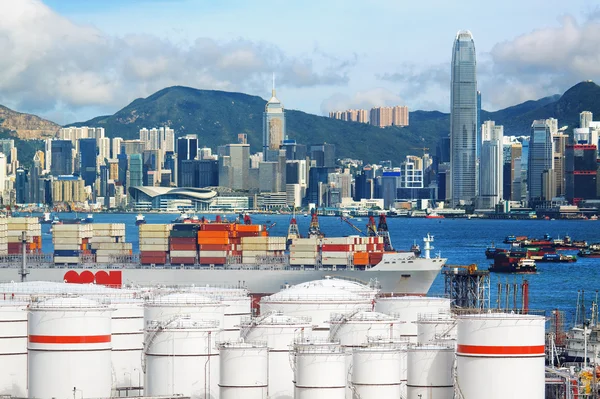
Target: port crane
(382, 230)
(345, 219)
(314, 230)
(293, 231)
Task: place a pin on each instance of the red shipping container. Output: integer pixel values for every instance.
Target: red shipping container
(184, 261)
(249, 234)
(336, 248)
(216, 227)
(183, 247)
(211, 261)
(235, 253)
(147, 260)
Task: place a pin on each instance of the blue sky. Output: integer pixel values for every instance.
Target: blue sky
(72, 60)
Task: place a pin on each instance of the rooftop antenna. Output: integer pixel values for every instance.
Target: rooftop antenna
(273, 90)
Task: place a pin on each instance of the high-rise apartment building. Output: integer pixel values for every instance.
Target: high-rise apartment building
(273, 128)
(540, 158)
(463, 120)
(491, 171)
(116, 147)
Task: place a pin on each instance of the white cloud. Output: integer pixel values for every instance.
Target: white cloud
(49, 61)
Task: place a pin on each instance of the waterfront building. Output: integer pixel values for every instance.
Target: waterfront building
(491, 167)
(463, 120)
(541, 158)
(135, 171)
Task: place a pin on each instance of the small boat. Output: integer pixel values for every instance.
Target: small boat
(56, 220)
(558, 258)
(46, 218)
(140, 219)
(594, 217)
(434, 215)
(182, 218)
(88, 219)
(591, 252)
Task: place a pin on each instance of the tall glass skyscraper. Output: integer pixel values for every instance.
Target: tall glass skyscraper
(463, 120)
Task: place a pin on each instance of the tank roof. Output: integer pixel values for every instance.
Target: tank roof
(181, 299)
(67, 303)
(49, 288)
(313, 293)
(333, 282)
(362, 317)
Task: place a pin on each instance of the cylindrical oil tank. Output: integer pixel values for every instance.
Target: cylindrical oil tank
(355, 329)
(181, 358)
(238, 304)
(316, 302)
(244, 370)
(347, 285)
(69, 349)
(320, 370)
(127, 344)
(435, 326)
(501, 353)
(377, 370)
(174, 305)
(13, 347)
(280, 332)
(407, 309)
(430, 371)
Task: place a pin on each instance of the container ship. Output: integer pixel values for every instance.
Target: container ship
(513, 262)
(215, 253)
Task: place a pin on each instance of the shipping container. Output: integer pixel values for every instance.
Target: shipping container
(183, 233)
(183, 261)
(189, 227)
(183, 254)
(147, 228)
(66, 259)
(154, 247)
(156, 260)
(213, 241)
(211, 261)
(155, 234)
(213, 254)
(153, 241)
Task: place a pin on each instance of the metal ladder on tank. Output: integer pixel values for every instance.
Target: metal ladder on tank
(152, 337)
(457, 391)
(344, 319)
(254, 322)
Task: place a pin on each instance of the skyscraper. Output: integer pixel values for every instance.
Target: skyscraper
(62, 157)
(240, 164)
(87, 160)
(273, 127)
(491, 168)
(187, 149)
(463, 120)
(540, 157)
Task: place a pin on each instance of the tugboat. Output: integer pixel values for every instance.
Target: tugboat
(140, 219)
(513, 262)
(88, 219)
(592, 252)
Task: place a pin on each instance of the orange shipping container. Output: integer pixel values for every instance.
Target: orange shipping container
(248, 227)
(213, 234)
(213, 241)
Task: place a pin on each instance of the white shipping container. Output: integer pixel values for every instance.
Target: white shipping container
(249, 260)
(108, 226)
(145, 228)
(154, 247)
(276, 240)
(153, 241)
(28, 220)
(104, 259)
(254, 247)
(338, 240)
(116, 246)
(254, 253)
(97, 239)
(66, 259)
(303, 248)
(183, 254)
(302, 261)
(61, 247)
(155, 234)
(255, 240)
(69, 227)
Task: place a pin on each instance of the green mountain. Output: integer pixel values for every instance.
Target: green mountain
(217, 117)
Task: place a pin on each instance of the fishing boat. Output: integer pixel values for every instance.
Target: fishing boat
(140, 219)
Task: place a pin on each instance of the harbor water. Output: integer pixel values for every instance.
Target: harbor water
(462, 241)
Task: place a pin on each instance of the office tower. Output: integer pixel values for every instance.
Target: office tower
(88, 160)
(585, 118)
(22, 186)
(479, 126)
(48, 154)
(187, 149)
(208, 173)
(342, 182)
(129, 147)
(205, 153)
(116, 147)
(104, 177)
(239, 164)
(135, 171)
(581, 172)
(103, 151)
(411, 172)
(62, 157)
(36, 190)
(317, 181)
(170, 164)
(390, 182)
(323, 155)
(123, 163)
(6, 145)
(273, 127)
(268, 181)
(560, 141)
(463, 120)
(492, 165)
(540, 158)
(152, 162)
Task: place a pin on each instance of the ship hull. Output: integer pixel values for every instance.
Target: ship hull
(403, 279)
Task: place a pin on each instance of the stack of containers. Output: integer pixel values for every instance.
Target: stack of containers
(33, 233)
(108, 240)
(214, 243)
(375, 248)
(243, 231)
(253, 248)
(154, 243)
(69, 241)
(182, 244)
(303, 251)
(337, 250)
(3, 237)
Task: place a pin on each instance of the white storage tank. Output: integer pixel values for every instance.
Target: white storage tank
(347, 285)
(316, 302)
(320, 370)
(503, 353)
(69, 349)
(13, 347)
(407, 309)
(378, 371)
(180, 358)
(280, 332)
(435, 327)
(194, 306)
(430, 372)
(355, 329)
(244, 370)
(127, 345)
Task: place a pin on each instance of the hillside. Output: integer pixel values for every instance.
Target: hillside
(26, 126)
(217, 117)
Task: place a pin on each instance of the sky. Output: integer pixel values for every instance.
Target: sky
(71, 60)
